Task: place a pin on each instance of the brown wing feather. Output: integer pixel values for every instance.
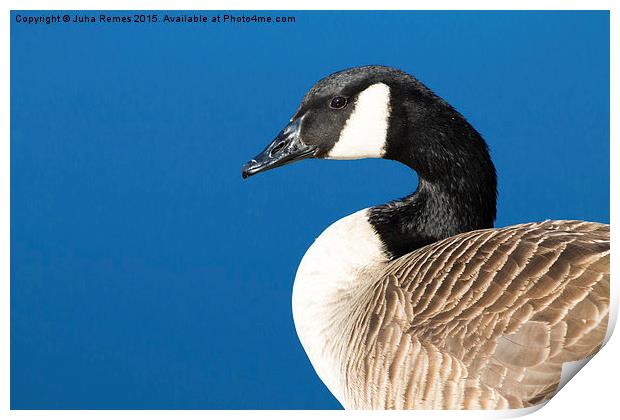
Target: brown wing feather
(484, 319)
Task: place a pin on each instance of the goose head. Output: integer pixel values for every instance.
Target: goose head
(343, 116)
(374, 112)
(382, 112)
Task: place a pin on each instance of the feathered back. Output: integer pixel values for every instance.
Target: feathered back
(484, 319)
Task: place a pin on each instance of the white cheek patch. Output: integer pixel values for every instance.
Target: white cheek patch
(365, 132)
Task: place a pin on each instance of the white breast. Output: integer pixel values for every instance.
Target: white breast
(326, 278)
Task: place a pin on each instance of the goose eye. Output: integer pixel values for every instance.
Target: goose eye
(338, 102)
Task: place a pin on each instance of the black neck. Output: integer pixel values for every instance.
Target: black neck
(457, 188)
(430, 214)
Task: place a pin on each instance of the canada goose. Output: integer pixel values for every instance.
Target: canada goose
(420, 303)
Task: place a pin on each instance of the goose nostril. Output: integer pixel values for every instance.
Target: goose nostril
(277, 148)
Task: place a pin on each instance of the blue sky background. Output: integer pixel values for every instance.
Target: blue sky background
(146, 274)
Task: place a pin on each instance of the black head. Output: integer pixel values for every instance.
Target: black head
(381, 112)
(343, 116)
(374, 112)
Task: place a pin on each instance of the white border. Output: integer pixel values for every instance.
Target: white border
(309, 5)
(593, 395)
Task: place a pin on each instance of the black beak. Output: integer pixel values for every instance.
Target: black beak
(286, 148)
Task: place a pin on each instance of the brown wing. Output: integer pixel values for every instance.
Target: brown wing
(484, 319)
